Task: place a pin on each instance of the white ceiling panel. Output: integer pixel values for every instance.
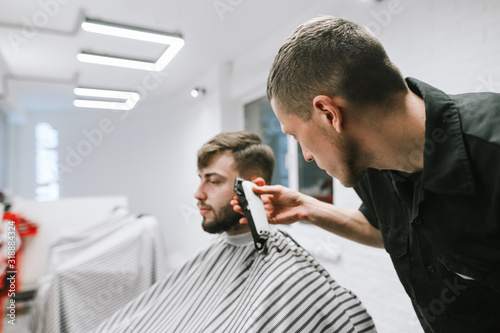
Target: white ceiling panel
(39, 41)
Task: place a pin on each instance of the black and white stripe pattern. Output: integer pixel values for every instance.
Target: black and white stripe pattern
(96, 272)
(230, 287)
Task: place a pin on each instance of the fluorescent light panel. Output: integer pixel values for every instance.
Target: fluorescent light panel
(175, 43)
(129, 98)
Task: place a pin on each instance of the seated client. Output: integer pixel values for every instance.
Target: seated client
(232, 287)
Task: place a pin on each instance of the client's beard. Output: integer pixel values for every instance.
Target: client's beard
(224, 219)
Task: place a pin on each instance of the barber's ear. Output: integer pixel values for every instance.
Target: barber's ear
(258, 180)
(329, 110)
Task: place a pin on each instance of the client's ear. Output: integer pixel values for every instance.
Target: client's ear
(258, 180)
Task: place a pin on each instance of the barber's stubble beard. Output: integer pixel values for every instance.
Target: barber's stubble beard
(225, 219)
(351, 160)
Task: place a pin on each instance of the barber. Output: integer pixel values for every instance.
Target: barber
(425, 164)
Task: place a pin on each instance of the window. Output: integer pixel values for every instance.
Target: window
(47, 162)
(260, 119)
(291, 169)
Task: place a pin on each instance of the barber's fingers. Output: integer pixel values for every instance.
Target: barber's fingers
(269, 189)
(236, 205)
(286, 217)
(237, 209)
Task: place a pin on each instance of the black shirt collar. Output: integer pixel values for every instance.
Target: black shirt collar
(447, 169)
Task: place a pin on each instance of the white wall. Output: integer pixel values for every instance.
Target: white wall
(2, 149)
(2, 128)
(450, 44)
(150, 154)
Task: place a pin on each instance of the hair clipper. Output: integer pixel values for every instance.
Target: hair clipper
(254, 211)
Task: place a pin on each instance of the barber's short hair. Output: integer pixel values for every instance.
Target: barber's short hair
(333, 57)
(252, 157)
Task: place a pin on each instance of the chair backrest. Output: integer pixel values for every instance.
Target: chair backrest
(55, 219)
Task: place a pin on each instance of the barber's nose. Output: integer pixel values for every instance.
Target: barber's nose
(307, 154)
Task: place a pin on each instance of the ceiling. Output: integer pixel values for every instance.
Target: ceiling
(39, 41)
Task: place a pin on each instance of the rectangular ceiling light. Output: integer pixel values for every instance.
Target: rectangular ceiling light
(174, 42)
(116, 100)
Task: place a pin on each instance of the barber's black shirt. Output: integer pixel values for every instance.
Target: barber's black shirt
(441, 226)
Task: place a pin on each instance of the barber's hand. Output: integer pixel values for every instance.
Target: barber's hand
(282, 205)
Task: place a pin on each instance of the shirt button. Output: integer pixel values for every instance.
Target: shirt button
(417, 221)
(431, 268)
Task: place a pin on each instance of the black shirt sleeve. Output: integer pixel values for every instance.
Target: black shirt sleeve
(369, 216)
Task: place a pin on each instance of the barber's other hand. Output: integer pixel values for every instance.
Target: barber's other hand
(282, 205)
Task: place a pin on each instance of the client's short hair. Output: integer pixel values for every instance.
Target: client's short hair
(251, 155)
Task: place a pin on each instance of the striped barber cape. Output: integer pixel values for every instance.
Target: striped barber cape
(231, 287)
(94, 273)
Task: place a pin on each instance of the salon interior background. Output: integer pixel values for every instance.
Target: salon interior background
(148, 153)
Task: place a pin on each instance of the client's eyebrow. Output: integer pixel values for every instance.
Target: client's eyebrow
(210, 174)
